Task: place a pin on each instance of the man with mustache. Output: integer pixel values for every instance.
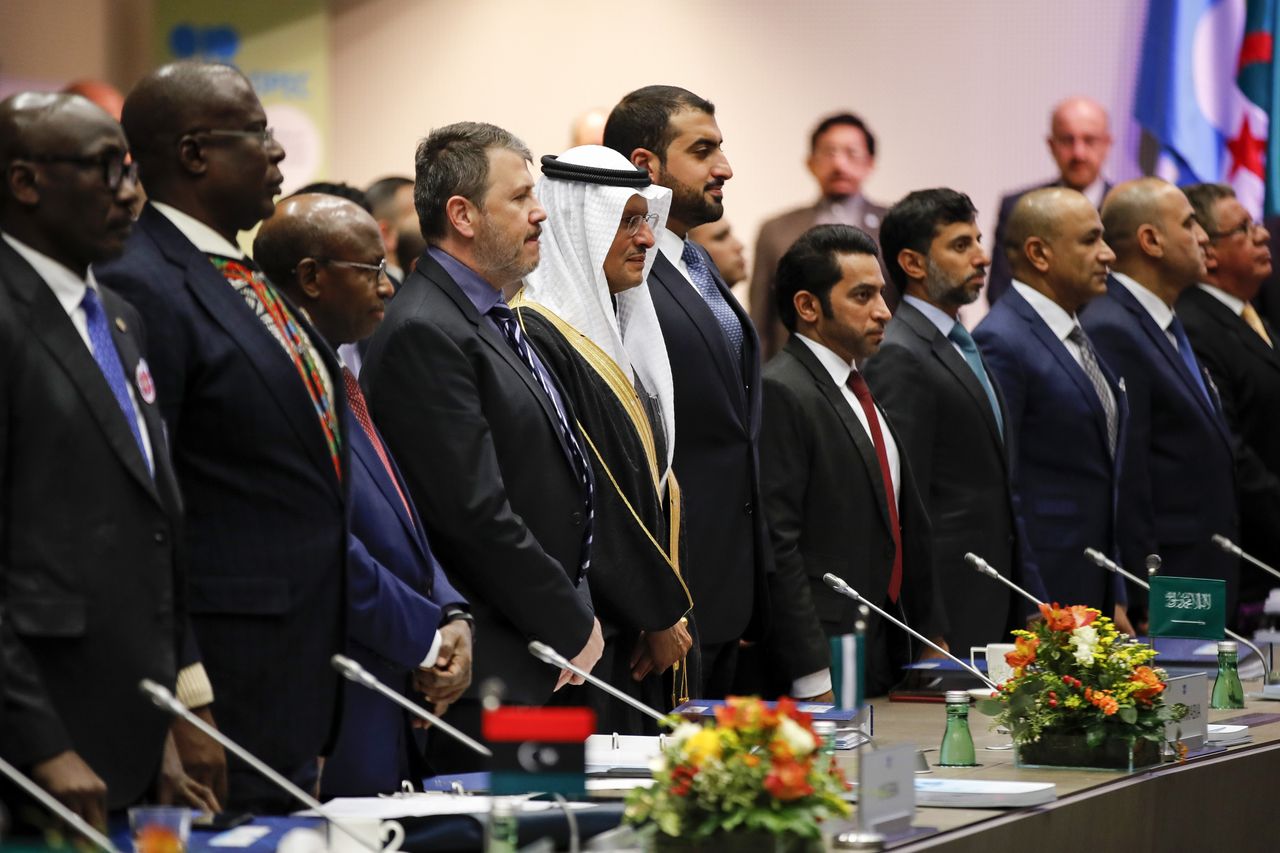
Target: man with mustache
(482, 431)
(947, 407)
(256, 415)
(715, 362)
(1066, 409)
(1079, 141)
(838, 493)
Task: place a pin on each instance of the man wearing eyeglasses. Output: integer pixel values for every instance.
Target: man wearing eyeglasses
(256, 411)
(1079, 141)
(1237, 347)
(90, 517)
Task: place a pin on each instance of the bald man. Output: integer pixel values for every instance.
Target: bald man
(256, 413)
(1178, 487)
(1079, 141)
(404, 619)
(90, 551)
(1065, 408)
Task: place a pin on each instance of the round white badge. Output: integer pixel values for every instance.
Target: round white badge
(146, 387)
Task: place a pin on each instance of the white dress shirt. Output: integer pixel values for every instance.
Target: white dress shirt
(1235, 303)
(817, 683)
(70, 290)
(1154, 305)
(1054, 315)
(670, 244)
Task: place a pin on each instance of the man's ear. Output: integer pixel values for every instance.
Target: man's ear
(808, 308)
(643, 158)
(913, 263)
(191, 155)
(462, 215)
(20, 179)
(307, 273)
(1038, 253)
(1149, 240)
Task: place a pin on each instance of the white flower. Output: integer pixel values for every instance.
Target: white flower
(796, 736)
(682, 733)
(1085, 639)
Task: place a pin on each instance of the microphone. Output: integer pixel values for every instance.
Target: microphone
(353, 671)
(1153, 563)
(1101, 560)
(548, 655)
(984, 568)
(1235, 550)
(51, 803)
(844, 589)
(164, 699)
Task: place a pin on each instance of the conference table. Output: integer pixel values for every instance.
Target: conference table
(1217, 802)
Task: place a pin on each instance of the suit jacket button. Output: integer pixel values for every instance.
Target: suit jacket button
(576, 518)
(160, 537)
(747, 508)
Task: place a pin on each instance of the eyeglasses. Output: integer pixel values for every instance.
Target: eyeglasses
(379, 269)
(265, 137)
(1245, 228)
(114, 168)
(632, 223)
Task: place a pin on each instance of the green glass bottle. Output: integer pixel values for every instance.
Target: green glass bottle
(1228, 693)
(957, 742)
(502, 834)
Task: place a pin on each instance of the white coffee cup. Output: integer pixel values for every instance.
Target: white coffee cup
(385, 834)
(998, 669)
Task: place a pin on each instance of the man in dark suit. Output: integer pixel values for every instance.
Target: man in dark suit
(838, 494)
(404, 619)
(1237, 347)
(931, 380)
(480, 429)
(91, 557)
(254, 404)
(1065, 408)
(1179, 483)
(715, 364)
(842, 155)
(1079, 140)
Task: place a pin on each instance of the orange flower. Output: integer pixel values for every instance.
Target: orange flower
(1024, 652)
(788, 780)
(751, 760)
(1067, 618)
(1102, 700)
(1145, 675)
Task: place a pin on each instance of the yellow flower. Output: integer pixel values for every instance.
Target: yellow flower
(703, 745)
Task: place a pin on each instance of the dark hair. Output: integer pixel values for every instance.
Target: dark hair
(913, 223)
(642, 119)
(341, 190)
(454, 160)
(838, 119)
(1203, 197)
(382, 193)
(813, 264)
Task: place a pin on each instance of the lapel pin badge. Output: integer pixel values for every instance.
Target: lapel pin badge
(120, 324)
(146, 386)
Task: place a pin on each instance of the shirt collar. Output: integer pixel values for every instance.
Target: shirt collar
(68, 287)
(1235, 303)
(834, 364)
(481, 293)
(944, 321)
(201, 235)
(1155, 306)
(670, 244)
(1055, 317)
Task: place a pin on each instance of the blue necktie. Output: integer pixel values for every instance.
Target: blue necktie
(506, 320)
(960, 336)
(1188, 357)
(705, 282)
(104, 352)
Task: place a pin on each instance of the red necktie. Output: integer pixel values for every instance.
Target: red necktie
(858, 386)
(355, 399)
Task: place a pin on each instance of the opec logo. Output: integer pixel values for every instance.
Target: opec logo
(217, 42)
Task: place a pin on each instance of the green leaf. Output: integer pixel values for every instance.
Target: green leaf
(1128, 715)
(1095, 736)
(990, 707)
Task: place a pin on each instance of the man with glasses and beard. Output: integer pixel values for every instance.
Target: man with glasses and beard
(947, 408)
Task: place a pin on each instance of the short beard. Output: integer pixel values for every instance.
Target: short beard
(688, 204)
(502, 265)
(944, 291)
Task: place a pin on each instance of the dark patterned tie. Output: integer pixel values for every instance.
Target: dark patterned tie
(104, 352)
(1089, 360)
(355, 401)
(960, 336)
(858, 386)
(705, 282)
(510, 327)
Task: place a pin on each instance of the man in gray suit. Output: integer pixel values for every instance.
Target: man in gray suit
(842, 154)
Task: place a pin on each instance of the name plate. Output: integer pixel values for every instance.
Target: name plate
(1192, 691)
(886, 789)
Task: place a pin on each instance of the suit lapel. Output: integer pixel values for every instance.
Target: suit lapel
(364, 454)
(1235, 324)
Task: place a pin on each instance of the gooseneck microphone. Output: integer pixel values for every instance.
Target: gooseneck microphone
(164, 699)
(1235, 550)
(50, 802)
(984, 568)
(353, 671)
(548, 655)
(839, 585)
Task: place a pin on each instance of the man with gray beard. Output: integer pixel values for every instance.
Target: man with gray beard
(931, 381)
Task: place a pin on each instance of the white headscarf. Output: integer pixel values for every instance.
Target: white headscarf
(582, 220)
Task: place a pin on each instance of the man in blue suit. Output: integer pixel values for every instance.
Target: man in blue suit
(404, 619)
(1065, 408)
(1179, 483)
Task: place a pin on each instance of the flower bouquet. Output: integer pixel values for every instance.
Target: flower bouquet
(757, 772)
(1082, 694)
